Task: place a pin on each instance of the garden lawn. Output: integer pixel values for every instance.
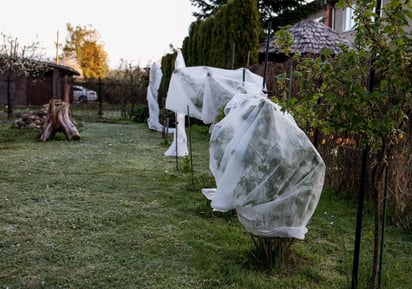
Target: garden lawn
(110, 211)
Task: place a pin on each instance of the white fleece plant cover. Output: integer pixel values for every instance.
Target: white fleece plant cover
(179, 143)
(265, 167)
(155, 77)
(204, 90)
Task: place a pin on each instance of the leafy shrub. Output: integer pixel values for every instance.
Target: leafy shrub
(140, 114)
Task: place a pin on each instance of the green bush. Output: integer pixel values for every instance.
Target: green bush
(141, 114)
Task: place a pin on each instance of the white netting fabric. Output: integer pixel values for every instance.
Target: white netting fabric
(179, 143)
(265, 167)
(155, 77)
(203, 90)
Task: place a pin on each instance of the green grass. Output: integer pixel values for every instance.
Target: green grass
(110, 211)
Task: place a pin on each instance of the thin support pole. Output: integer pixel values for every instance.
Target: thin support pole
(233, 55)
(190, 142)
(176, 138)
(9, 100)
(266, 55)
(290, 86)
(100, 97)
(358, 233)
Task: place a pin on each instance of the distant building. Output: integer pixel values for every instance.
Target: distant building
(343, 21)
(55, 82)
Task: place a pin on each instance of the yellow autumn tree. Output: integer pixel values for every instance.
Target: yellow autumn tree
(83, 44)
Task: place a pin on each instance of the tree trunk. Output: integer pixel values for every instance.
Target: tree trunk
(377, 176)
(271, 252)
(59, 121)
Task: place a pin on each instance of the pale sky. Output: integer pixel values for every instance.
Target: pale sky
(137, 31)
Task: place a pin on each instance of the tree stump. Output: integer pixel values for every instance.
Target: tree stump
(59, 120)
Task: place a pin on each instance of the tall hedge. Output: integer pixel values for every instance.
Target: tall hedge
(210, 41)
(167, 66)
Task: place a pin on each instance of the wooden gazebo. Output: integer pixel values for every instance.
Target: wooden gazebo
(309, 37)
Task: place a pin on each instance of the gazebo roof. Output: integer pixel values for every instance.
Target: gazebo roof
(309, 37)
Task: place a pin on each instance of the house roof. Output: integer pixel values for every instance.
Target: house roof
(309, 37)
(67, 69)
(64, 68)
